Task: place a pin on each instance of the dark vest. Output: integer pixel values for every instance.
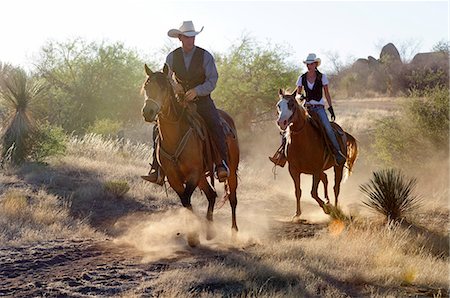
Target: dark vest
(195, 75)
(316, 92)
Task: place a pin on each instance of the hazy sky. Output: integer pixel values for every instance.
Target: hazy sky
(349, 28)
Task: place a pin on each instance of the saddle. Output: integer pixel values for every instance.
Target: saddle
(341, 137)
(212, 155)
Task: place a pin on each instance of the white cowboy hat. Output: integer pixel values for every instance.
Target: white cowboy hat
(186, 29)
(311, 59)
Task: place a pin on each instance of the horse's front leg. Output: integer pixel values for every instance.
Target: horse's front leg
(185, 194)
(298, 192)
(211, 195)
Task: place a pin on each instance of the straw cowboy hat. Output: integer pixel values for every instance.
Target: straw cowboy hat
(186, 29)
(311, 59)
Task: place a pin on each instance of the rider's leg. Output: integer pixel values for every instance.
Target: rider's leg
(209, 113)
(339, 156)
(155, 175)
(279, 158)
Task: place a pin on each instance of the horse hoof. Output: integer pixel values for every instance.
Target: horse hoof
(296, 219)
(327, 208)
(193, 239)
(210, 233)
(234, 235)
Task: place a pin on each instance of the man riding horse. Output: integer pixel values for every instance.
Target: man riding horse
(196, 73)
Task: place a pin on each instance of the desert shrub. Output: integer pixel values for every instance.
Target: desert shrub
(116, 188)
(48, 141)
(105, 127)
(421, 128)
(431, 115)
(424, 78)
(390, 193)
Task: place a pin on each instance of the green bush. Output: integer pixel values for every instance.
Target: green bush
(105, 127)
(431, 115)
(48, 141)
(422, 128)
(116, 188)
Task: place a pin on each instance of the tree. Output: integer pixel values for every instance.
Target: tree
(249, 76)
(90, 81)
(18, 91)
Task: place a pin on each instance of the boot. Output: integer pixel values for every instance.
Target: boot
(279, 159)
(222, 172)
(155, 175)
(340, 158)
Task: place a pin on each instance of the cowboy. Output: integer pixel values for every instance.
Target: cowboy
(315, 84)
(197, 75)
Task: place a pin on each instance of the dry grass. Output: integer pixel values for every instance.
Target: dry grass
(27, 216)
(272, 257)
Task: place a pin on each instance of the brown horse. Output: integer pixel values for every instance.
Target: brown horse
(307, 153)
(181, 151)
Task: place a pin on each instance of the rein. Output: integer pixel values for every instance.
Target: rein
(174, 158)
(181, 145)
(294, 132)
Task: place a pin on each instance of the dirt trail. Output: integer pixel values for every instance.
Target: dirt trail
(82, 268)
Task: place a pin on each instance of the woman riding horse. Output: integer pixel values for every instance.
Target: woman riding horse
(306, 150)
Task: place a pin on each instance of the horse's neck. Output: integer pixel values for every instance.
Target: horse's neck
(300, 121)
(171, 110)
(172, 124)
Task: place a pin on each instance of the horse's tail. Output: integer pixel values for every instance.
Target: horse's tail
(352, 154)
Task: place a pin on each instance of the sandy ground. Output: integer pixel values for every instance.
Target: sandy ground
(134, 252)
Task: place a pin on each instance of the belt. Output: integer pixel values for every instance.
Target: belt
(314, 106)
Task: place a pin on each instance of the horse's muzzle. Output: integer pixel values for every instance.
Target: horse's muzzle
(149, 111)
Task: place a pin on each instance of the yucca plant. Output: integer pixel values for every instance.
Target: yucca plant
(390, 193)
(17, 91)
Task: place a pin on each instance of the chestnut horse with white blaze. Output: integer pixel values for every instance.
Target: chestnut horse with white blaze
(181, 150)
(307, 152)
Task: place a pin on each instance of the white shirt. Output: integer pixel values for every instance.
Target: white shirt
(311, 85)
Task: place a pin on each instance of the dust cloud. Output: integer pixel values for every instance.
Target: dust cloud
(266, 197)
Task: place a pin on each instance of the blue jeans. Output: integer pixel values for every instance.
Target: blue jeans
(320, 110)
(207, 109)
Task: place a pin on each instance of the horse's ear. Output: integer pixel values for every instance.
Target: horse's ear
(294, 94)
(166, 69)
(280, 92)
(148, 71)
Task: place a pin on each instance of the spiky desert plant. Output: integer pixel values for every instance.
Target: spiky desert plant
(390, 193)
(17, 91)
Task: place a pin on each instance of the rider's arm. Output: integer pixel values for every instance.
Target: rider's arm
(211, 76)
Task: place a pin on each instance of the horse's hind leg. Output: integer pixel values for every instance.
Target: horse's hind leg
(324, 179)
(211, 195)
(314, 190)
(338, 173)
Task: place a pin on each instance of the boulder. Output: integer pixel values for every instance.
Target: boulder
(390, 55)
(432, 60)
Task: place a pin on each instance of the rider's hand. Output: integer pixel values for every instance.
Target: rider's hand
(190, 95)
(178, 89)
(333, 117)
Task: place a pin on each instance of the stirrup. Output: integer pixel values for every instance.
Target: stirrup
(278, 159)
(224, 174)
(155, 176)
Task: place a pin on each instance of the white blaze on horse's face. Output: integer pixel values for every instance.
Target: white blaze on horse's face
(284, 113)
